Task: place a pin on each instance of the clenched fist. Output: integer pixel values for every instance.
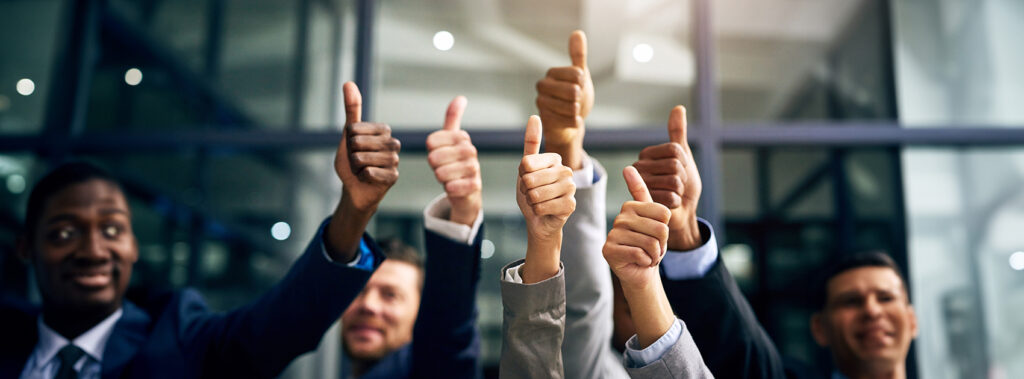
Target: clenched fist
(564, 98)
(453, 158)
(545, 194)
(669, 171)
(367, 157)
(639, 236)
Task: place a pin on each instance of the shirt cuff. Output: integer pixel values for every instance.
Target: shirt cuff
(588, 175)
(511, 275)
(636, 358)
(363, 258)
(435, 219)
(692, 264)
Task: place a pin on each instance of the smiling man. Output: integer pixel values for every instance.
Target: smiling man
(866, 319)
(78, 240)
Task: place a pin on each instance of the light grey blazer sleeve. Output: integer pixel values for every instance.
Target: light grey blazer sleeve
(587, 350)
(682, 360)
(532, 327)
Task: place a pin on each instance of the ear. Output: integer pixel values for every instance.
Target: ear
(818, 330)
(913, 320)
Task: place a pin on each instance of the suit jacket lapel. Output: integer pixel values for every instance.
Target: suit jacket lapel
(128, 336)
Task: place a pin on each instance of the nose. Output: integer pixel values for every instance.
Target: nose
(872, 308)
(369, 303)
(92, 246)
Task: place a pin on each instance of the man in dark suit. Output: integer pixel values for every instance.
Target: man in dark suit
(865, 317)
(79, 242)
(413, 321)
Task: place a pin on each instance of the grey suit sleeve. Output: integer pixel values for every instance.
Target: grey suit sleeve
(532, 327)
(682, 360)
(587, 350)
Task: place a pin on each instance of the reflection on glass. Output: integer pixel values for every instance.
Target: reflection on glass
(494, 52)
(800, 60)
(959, 63)
(28, 39)
(965, 211)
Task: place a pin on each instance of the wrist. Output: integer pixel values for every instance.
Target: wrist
(464, 216)
(571, 152)
(349, 203)
(684, 233)
(542, 258)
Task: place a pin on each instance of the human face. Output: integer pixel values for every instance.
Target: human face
(868, 321)
(83, 248)
(381, 318)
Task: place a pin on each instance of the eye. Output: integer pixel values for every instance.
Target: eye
(111, 231)
(62, 234)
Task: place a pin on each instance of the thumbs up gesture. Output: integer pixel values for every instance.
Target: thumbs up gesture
(545, 194)
(669, 171)
(367, 157)
(639, 235)
(453, 158)
(564, 98)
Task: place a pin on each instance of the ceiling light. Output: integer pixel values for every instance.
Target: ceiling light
(26, 86)
(643, 53)
(133, 76)
(443, 40)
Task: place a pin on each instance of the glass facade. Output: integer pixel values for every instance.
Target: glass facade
(232, 128)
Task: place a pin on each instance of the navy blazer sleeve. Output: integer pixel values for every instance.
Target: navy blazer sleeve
(262, 338)
(445, 338)
(731, 340)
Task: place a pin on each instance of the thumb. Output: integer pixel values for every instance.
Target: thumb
(531, 142)
(578, 49)
(677, 125)
(353, 103)
(453, 119)
(636, 185)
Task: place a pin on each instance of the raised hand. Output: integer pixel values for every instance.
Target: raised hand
(633, 249)
(367, 164)
(639, 235)
(669, 171)
(454, 160)
(367, 157)
(564, 98)
(545, 196)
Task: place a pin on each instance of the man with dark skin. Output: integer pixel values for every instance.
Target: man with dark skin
(79, 242)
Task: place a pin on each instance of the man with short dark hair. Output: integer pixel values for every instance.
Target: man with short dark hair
(865, 317)
(79, 242)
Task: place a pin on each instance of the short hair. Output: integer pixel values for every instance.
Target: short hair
(394, 249)
(61, 177)
(853, 261)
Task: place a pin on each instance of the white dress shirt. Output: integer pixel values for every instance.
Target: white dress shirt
(44, 363)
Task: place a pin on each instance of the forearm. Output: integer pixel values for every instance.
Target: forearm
(543, 254)
(651, 312)
(346, 229)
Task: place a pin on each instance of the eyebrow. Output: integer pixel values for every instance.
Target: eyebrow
(71, 217)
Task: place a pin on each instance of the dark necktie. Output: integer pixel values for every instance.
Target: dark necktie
(68, 355)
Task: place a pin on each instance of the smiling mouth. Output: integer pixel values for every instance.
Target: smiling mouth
(876, 335)
(91, 279)
(364, 331)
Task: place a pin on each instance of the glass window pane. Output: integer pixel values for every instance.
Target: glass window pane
(29, 32)
(958, 63)
(965, 211)
(639, 55)
(798, 60)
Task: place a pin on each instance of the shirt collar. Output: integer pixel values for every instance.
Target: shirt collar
(93, 341)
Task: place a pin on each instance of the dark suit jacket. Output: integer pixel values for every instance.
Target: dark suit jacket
(445, 340)
(724, 326)
(178, 336)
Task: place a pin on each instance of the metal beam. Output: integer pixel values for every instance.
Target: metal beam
(502, 140)
(366, 18)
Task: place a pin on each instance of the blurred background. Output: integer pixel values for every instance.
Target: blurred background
(820, 128)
